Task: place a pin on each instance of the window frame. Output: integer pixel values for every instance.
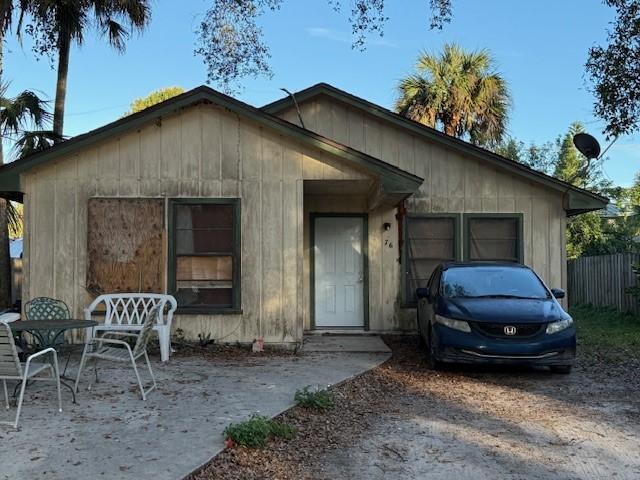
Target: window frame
(172, 258)
(457, 231)
(519, 217)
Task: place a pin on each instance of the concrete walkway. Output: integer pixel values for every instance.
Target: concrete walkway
(112, 434)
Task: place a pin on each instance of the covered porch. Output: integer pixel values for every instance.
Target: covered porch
(349, 226)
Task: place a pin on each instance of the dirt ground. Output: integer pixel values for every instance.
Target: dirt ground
(402, 420)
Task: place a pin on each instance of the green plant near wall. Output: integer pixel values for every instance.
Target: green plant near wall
(320, 400)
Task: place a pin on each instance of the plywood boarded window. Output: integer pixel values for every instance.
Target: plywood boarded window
(429, 241)
(204, 254)
(493, 237)
(125, 245)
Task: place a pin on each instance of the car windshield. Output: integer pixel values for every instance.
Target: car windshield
(492, 282)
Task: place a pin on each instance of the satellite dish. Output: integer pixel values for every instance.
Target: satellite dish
(587, 145)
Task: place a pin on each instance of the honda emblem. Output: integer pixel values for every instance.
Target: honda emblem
(510, 330)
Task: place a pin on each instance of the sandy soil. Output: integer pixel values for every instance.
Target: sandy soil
(402, 420)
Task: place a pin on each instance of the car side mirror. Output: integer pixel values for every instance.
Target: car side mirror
(557, 292)
(423, 293)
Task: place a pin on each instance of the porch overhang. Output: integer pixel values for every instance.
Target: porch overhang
(577, 202)
(377, 192)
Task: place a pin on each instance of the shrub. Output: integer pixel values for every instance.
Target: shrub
(320, 399)
(255, 431)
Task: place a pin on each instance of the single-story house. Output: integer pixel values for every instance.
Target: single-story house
(323, 213)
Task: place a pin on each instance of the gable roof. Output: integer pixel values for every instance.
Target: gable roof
(578, 200)
(393, 180)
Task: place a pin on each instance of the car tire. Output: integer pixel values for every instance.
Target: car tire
(432, 362)
(563, 369)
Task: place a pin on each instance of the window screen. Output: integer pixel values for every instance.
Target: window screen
(493, 238)
(429, 241)
(205, 255)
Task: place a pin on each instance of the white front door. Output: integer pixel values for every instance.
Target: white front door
(338, 272)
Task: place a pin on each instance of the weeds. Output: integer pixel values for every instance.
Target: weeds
(320, 400)
(256, 431)
(603, 330)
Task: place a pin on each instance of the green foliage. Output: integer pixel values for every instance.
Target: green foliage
(24, 120)
(590, 234)
(614, 70)
(15, 219)
(459, 92)
(320, 400)
(282, 430)
(55, 26)
(256, 431)
(154, 98)
(584, 235)
(541, 157)
(52, 24)
(231, 41)
(606, 331)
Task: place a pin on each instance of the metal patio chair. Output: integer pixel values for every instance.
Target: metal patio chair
(106, 348)
(45, 308)
(12, 369)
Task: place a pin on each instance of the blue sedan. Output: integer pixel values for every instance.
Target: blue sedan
(495, 313)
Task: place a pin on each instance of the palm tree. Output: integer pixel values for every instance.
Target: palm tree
(22, 120)
(58, 24)
(16, 115)
(459, 92)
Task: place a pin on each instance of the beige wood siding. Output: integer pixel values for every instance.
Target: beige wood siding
(453, 183)
(204, 151)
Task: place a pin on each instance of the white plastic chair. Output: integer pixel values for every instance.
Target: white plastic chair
(105, 348)
(126, 312)
(9, 317)
(12, 369)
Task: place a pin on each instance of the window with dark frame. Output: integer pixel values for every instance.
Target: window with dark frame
(429, 241)
(493, 238)
(204, 254)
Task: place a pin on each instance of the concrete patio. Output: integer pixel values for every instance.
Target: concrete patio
(112, 434)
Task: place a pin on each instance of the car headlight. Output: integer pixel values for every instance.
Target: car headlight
(459, 325)
(556, 327)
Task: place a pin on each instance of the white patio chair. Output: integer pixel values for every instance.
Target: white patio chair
(105, 348)
(12, 369)
(126, 311)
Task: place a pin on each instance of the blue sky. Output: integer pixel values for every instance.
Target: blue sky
(540, 47)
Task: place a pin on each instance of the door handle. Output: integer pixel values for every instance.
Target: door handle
(361, 278)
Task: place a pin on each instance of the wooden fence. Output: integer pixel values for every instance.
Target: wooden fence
(602, 281)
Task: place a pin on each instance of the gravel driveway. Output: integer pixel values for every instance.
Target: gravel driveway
(402, 420)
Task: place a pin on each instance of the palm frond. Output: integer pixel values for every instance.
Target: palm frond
(458, 91)
(116, 34)
(34, 141)
(14, 219)
(20, 113)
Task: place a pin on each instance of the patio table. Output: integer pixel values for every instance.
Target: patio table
(48, 332)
